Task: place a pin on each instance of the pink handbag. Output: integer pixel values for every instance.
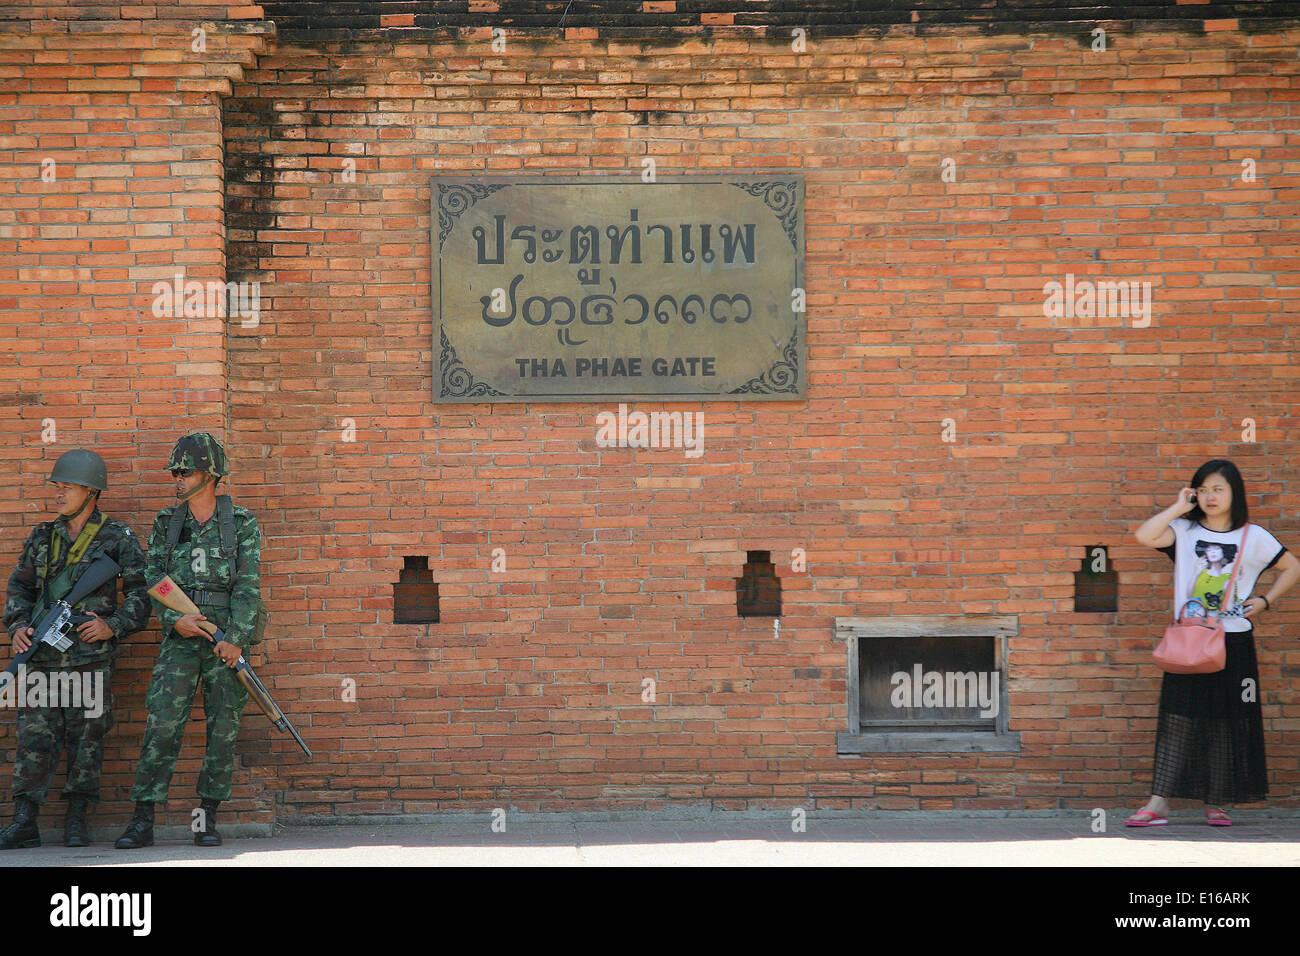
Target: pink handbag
(1194, 643)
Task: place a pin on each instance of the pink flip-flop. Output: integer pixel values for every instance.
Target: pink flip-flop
(1145, 818)
(1217, 818)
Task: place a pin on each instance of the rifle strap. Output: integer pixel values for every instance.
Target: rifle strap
(177, 524)
(225, 525)
(62, 583)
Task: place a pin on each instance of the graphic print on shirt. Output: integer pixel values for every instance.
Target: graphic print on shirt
(1211, 571)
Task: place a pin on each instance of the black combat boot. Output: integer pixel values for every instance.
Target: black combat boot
(208, 836)
(74, 825)
(139, 832)
(22, 833)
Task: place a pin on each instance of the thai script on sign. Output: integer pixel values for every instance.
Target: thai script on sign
(586, 243)
(600, 308)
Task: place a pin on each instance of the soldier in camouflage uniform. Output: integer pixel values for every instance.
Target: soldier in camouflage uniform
(222, 578)
(54, 557)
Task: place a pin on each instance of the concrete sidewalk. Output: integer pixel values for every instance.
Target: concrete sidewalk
(720, 839)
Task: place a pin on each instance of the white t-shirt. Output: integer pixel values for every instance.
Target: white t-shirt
(1203, 562)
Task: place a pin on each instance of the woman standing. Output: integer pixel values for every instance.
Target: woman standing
(1210, 732)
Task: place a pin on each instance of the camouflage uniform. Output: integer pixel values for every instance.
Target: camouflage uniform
(197, 566)
(42, 731)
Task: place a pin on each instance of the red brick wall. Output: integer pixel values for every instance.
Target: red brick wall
(136, 196)
(925, 304)
(23, 11)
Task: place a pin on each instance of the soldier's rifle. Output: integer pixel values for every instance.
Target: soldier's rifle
(169, 594)
(55, 625)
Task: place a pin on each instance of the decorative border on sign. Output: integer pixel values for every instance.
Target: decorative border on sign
(783, 376)
(455, 199)
(457, 380)
(779, 197)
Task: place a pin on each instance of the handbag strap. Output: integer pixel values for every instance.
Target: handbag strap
(1229, 594)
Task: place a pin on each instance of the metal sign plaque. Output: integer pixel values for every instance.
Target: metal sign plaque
(552, 288)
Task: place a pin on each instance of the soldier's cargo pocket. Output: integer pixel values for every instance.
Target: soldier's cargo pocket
(259, 624)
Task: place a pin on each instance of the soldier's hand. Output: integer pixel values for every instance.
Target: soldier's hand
(227, 652)
(188, 626)
(22, 639)
(96, 629)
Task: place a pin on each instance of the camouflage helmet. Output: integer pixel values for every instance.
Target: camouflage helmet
(199, 451)
(80, 467)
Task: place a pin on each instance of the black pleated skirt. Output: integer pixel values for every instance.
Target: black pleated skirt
(1210, 731)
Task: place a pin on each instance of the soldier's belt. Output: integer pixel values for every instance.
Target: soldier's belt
(210, 598)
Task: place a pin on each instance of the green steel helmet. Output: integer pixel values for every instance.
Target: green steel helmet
(80, 467)
(199, 451)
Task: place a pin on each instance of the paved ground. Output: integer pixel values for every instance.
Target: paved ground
(897, 840)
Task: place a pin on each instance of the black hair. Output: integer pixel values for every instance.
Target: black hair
(1229, 551)
(1221, 466)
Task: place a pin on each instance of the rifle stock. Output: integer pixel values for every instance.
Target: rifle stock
(170, 595)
